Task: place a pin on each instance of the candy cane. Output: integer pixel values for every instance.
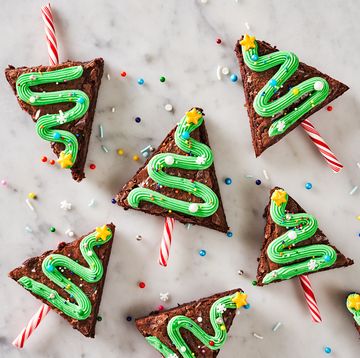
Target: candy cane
(310, 298)
(321, 145)
(166, 241)
(50, 34)
(31, 326)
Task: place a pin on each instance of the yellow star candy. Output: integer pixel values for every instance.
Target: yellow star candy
(248, 42)
(279, 197)
(239, 299)
(193, 116)
(65, 160)
(102, 232)
(354, 302)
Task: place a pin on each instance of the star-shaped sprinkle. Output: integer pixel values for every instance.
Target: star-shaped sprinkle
(312, 265)
(239, 299)
(281, 126)
(164, 296)
(61, 119)
(65, 205)
(102, 232)
(200, 160)
(65, 160)
(220, 308)
(354, 302)
(248, 42)
(279, 197)
(193, 116)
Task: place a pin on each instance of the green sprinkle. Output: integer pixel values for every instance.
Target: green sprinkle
(162, 79)
(52, 229)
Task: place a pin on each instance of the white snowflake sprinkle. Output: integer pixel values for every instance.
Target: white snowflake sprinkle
(164, 296)
(61, 119)
(281, 126)
(312, 265)
(220, 308)
(65, 205)
(200, 160)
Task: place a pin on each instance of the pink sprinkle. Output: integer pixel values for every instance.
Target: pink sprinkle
(3, 182)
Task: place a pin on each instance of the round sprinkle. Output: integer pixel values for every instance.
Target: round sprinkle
(140, 81)
(185, 135)
(113, 201)
(229, 234)
(123, 74)
(32, 99)
(137, 119)
(4, 183)
(254, 283)
(225, 70)
(308, 186)
(202, 253)
(240, 272)
(204, 1)
(228, 181)
(211, 343)
(273, 82)
(81, 100)
(168, 107)
(120, 151)
(44, 159)
(169, 160)
(160, 307)
(254, 57)
(92, 166)
(327, 258)
(32, 195)
(233, 78)
(182, 349)
(199, 319)
(218, 41)
(193, 208)
(129, 318)
(258, 182)
(52, 161)
(327, 350)
(136, 158)
(99, 318)
(292, 235)
(329, 108)
(50, 268)
(162, 79)
(247, 306)
(52, 229)
(142, 284)
(318, 86)
(138, 237)
(295, 91)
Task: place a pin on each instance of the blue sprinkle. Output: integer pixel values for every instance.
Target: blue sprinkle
(273, 82)
(81, 100)
(202, 253)
(263, 94)
(71, 296)
(327, 258)
(229, 234)
(57, 135)
(233, 78)
(254, 57)
(50, 268)
(113, 201)
(185, 135)
(137, 119)
(327, 350)
(308, 186)
(247, 306)
(129, 318)
(258, 182)
(228, 181)
(140, 81)
(77, 134)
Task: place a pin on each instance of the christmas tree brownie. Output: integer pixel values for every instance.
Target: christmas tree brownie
(280, 91)
(353, 305)
(195, 329)
(293, 245)
(61, 100)
(179, 179)
(70, 279)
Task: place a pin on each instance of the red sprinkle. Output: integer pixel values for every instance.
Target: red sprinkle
(160, 308)
(329, 108)
(142, 284)
(218, 41)
(92, 166)
(52, 161)
(123, 74)
(44, 159)
(211, 343)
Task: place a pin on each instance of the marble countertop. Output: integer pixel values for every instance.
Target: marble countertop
(177, 39)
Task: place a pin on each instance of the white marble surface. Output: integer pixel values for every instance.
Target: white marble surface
(177, 39)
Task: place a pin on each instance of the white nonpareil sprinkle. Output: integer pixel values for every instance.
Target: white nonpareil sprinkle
(353, 190)
(265, 174)
(218, 73)
(108, 76)
(113, 109)
(92, 202)
(358, 164)
(28, 229)
(199, 319)
(257, 336)
(276, 327)
(29, 205)
(225, 71)
(168, 107)
(65, 205)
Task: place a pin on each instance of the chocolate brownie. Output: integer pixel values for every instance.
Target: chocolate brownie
(155, 324)
(32, 268)
(217, 221)
(253, 82)
(273, 231)
(89, 83)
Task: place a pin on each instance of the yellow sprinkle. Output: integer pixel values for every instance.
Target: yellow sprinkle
(222, 327)
(170, 211)
(68, 286)
(358, 217)
(120, 151)
(295, 91)
(32, 195)
(135, 158)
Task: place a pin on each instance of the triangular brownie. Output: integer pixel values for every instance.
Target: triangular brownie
(302, 232)
(79, 309)
(353, 306)
(63, 121)
(195, 139)
(172, 335)
(263, 81)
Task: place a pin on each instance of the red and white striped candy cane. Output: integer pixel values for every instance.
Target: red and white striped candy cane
(310, 298)
(321, 145)
(166, 241)
(50, 34)
(31, 326)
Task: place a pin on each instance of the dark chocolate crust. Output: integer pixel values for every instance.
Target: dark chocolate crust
(155, 324)
(32, 268)
(217, 221)
(89, 82)
(273, 231)
(253, 82)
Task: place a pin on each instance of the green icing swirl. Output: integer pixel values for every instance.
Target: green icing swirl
(200, 158)
(178, 323)
(45, 124)
(80, 310)
(263, 104)
(356, 313)
(281, 250)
